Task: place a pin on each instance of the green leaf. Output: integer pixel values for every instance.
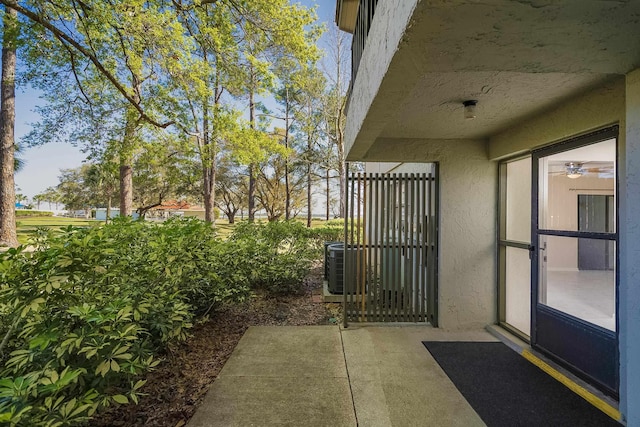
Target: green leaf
(120, 398)
(103, 368)
(139, 384)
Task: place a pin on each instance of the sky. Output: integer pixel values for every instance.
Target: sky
(43, 163)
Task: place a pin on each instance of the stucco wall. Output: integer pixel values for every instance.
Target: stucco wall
(387, 29)
(629, 288)
(468, 180)
(595, 109)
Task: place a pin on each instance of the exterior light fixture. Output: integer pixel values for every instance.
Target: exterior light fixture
(470, 108)
(574, 170)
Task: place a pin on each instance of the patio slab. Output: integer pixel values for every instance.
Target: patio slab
(281, 376)
(327, 376)
(395, 382)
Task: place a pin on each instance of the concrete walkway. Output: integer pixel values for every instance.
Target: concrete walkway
(328, 376)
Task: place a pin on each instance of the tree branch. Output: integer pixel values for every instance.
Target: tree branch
(93, 58)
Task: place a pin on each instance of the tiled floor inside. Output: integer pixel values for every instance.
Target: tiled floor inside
(586, 294)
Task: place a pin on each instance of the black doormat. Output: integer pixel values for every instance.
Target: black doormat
(507, 390)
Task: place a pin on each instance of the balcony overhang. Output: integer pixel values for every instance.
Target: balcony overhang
(516, 58)
(347, 14)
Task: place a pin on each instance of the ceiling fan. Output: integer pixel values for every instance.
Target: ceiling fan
(575, 170)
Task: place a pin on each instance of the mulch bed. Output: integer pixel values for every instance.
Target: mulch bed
(178, 385)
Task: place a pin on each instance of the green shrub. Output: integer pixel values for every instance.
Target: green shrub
(329, 233)
(277, 255)
(336, 222)
(23, 213)
(86, 314)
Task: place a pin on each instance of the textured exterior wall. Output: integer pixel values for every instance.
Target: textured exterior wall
(595, 109)
(468, 191)
(387, 29)
(629, 287)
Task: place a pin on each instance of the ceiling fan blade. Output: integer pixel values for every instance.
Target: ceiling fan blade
(599, 170)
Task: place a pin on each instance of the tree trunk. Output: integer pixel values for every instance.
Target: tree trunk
(126, 163)
(342, 168)
(108, 209)
(343, 187)
(8, 235)
(252, 178)
(209, 169)
(209, 215)
(309, 183)
(287, 190)
(126, 187)
(328, 179)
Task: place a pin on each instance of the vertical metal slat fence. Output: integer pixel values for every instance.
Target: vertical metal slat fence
(390, 253)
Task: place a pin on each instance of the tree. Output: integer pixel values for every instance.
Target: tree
(275, 30)
(285, 97)
(336, 69)
(231, 187)
(129, 48)
(234, 42)
(163, 172)
(8, 234)
(73, 189)
(102, 179)
(114, 70)
(37, 199)
(52, 195)
(311, 84)
(270, 188)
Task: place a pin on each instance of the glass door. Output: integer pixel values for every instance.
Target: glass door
(514, 246)
(574, 265)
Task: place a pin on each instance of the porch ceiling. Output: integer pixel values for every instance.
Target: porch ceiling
(516, 57)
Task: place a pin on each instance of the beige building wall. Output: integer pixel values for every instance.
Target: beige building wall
(468, 198)
(468, 191)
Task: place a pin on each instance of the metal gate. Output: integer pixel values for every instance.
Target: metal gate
(390, 255)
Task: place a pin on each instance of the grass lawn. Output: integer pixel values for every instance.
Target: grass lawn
(28, 225)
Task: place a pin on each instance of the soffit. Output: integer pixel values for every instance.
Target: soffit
(516, 57)
(433, 108)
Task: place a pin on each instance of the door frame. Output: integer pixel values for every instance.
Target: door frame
(504, 243)
(544, 317)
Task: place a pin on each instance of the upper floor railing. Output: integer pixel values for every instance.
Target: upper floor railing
(363, 24)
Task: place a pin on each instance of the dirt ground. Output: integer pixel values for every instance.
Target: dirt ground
(176, 388)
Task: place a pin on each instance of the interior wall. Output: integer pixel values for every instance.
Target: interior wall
(563, 208)
(468, 199)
